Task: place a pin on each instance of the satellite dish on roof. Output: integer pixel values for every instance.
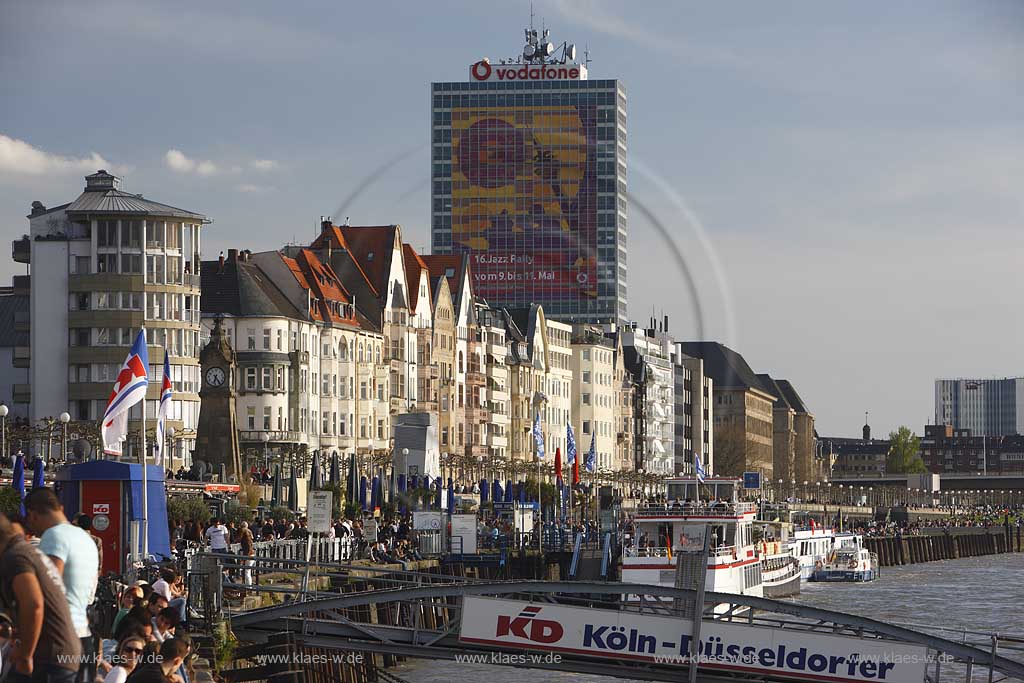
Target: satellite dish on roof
(529, 50)
(548, 49)
(570, 52)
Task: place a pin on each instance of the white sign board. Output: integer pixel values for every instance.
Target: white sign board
(800, 655)
(426, 520)
(318, 511)
(464, 527)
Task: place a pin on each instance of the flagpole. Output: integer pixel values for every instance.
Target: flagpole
(144, 542)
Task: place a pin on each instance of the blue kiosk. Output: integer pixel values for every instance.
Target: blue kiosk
(111, 493)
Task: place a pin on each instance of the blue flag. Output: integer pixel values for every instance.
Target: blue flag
(570, 445)
(591, 461)
(698, 468)
(538, 437)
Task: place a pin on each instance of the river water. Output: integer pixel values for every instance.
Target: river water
(977, 594)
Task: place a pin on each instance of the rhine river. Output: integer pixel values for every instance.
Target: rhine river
(978, 594)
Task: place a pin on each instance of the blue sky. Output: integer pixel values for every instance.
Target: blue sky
(853, 169)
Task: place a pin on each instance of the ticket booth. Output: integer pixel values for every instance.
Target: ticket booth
(111, 493)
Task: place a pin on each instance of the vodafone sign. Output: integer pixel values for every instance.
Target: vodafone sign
(485, 71)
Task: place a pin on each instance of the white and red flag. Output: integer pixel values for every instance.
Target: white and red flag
(166, 392)
(129, 389)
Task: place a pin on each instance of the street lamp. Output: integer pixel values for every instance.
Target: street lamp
(170, 448)
(265, 438)
(64, 419)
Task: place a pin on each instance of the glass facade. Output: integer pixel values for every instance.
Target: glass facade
(529, 179)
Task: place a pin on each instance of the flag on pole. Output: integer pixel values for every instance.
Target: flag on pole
(591, 461)
(538, 437)
(129, 389)
(698, 468)
(166, 392)
(570, 445)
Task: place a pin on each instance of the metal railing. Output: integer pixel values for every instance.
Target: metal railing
(697, 509)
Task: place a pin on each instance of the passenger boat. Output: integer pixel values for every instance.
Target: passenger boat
(811, 545)
(848, 563)
(668, 531)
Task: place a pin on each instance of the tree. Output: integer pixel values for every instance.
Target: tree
(904, 453)
(730, 449)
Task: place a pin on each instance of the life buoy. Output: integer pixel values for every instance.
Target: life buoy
(817, 565)
(853, 564)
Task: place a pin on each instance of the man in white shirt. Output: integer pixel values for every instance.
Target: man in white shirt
(218, 536)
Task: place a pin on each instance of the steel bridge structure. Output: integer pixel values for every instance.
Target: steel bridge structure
(420, 615)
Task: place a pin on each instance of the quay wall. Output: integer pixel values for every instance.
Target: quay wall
(957, 543)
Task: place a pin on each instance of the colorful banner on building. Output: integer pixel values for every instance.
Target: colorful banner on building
(800, 655)
(524, 200)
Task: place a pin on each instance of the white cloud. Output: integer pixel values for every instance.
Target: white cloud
(18, 156)
(253, 189)
(264, 164)
(178, 162)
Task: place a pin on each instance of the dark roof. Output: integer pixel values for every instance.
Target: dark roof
(242, 289)
(727, 368)
(9, 305)
(456, 265)
(773, 388)
(794, 400)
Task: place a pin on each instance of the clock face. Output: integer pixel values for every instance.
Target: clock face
(215, 377)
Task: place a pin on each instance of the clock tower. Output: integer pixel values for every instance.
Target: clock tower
(217, 434)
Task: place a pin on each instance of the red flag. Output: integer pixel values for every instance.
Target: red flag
(576, 472)
(558, 463)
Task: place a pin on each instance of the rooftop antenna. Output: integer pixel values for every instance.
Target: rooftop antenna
(586, 55)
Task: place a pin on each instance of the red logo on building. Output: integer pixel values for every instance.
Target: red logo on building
(481, 71)
(528, 626)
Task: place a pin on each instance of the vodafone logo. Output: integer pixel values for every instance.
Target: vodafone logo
(481, 71)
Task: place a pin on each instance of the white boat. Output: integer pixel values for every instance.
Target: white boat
(847, 563)
(667, 531)
(780, 570)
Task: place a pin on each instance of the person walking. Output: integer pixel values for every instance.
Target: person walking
(76, 558)
(247, 548)
(46, 647)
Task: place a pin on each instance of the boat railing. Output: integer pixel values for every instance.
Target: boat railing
(646, 551)
(721, 509)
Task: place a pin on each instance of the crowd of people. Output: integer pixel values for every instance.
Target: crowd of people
(49, 623)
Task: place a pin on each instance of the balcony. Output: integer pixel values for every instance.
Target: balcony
(299, 357)
(22, 320)
(276, 436)
(475, 378)
(22, 356)
(22, 393)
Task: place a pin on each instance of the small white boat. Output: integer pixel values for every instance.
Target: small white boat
(850, 563)
(780, 570)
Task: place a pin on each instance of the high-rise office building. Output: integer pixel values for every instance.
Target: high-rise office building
(987, 407)
(528, 169)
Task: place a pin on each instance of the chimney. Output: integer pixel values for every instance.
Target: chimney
(220, 262)
(325, 223)
(37, 208)
(866, 432)
(666, 325)
(232, 255)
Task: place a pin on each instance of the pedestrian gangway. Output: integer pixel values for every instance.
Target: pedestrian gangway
(586, 627)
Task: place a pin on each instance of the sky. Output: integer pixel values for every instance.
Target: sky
(841, 181)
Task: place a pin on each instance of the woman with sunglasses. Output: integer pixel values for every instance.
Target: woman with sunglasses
(128, 653)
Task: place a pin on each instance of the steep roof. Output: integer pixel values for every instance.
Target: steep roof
(773, 388)
(371, 247)
(414, 265)
(453, 267)
(240, 288)
(728, 369)
(794, 400)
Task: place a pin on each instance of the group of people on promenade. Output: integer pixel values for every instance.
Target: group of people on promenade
(50, 621)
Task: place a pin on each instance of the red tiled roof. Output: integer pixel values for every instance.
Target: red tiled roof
(322, 282)
(334, 238)
(414, 265)
(438, 266)
(371, 247)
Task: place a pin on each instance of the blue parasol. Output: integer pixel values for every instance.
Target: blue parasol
(37, 473)
(18, 480)
(374, 493)
(362, 493)
(440, 492)
(485, 488)
(497, 495)
(508, 491)
(522, 492)
(293, 491)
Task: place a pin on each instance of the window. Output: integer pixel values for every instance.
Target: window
(362, 390)
(586, 354)
(586, 399)
(325, 427)
(380, 429)
(280, 379)
(250, 414)
(326, 385)
(131, 263)
(251, 337)
(586, 377)
(586, 426)
(268, 378)
(106, 263)
(380, 391)
(250, 381)
(341, 425)
(80, 265)
(362, 427)
(106, 233)
(280, 339)
(266, 418)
